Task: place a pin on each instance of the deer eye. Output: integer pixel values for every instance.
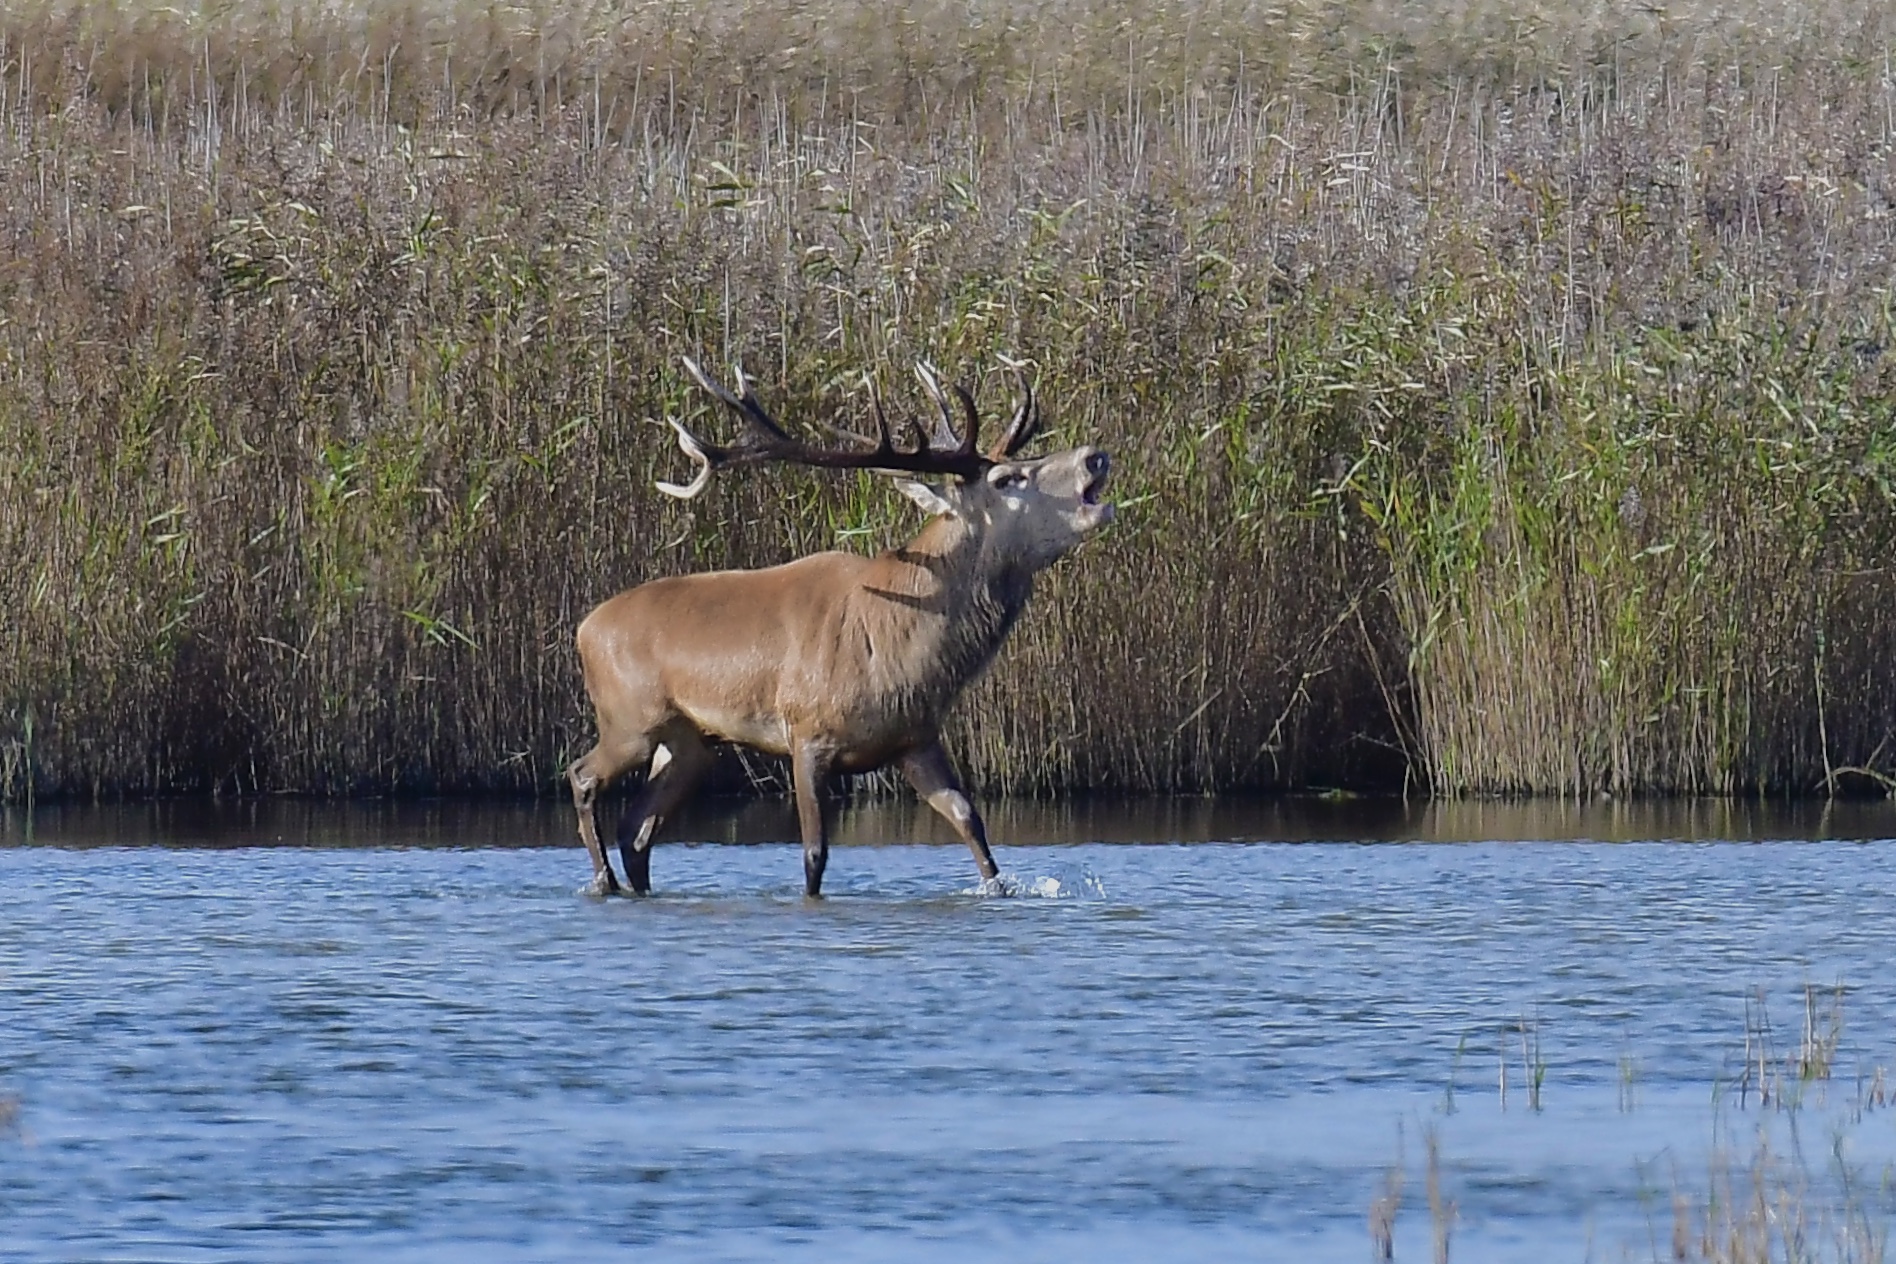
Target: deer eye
(1007, 480)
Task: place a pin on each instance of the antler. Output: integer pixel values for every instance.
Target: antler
(966, 443)
(944, 453)
(1024, 426)
(1020, 430)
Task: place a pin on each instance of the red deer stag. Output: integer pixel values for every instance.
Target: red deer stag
(841, 662)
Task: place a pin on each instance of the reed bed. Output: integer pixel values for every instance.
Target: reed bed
(1501, 397)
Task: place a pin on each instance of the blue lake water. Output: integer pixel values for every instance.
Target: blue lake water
(294, 1032)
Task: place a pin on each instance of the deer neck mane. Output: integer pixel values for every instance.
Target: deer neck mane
(944, 603)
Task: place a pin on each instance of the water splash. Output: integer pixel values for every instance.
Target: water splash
(1082, 886)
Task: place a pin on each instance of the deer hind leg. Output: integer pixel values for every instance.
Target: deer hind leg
(677, 767)
(591, 774)
(810, 766)
(933, 776)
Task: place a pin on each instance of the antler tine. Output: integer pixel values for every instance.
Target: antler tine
(695, 450)
(970, 438)
(704, 380)
(707, 456)
(1021, 430)
(944, 436)
(744, 402)
(885, 437)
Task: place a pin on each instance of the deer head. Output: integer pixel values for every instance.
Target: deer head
(1032, 511)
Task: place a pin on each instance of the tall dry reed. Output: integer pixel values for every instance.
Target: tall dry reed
(1501, 396)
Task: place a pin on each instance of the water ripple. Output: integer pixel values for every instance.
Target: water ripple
(1207, 1051)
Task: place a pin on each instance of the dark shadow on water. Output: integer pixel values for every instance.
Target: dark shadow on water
(1095, 818)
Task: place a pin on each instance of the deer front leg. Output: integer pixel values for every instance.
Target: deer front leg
(586, 783)
(810, 766)
(933, 776)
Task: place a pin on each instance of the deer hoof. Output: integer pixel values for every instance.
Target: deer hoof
(602, 885)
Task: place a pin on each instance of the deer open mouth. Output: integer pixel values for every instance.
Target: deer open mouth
(1101, 512)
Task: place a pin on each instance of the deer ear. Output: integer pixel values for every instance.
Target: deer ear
(933, 501)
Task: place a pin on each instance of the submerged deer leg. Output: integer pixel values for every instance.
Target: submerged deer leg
(590, 774)
(586, 785)
(928, 770)
(810, 765)
(671, 781)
